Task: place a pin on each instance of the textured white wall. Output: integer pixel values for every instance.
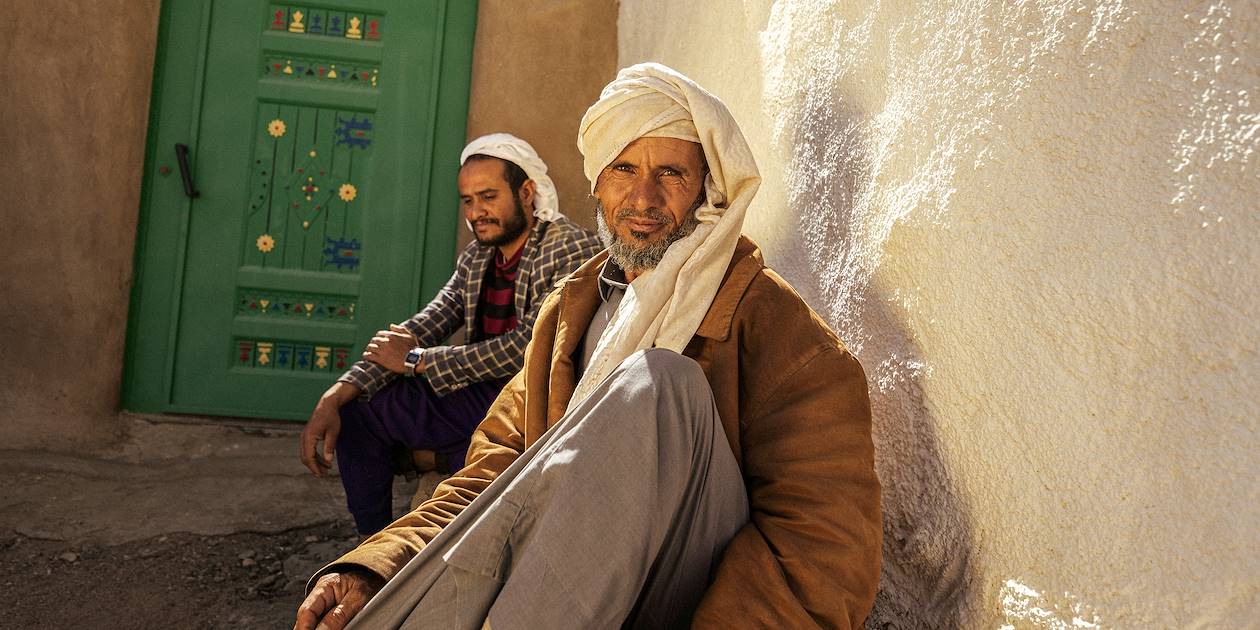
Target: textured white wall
(1036, 224)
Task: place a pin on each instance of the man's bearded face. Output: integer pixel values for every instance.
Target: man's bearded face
(493, 232)
(647, 198)
(635, 255)
(497, 216)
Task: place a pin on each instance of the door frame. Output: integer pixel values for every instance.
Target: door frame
(162, 235)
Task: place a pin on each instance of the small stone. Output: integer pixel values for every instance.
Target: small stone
(310, 538)
(246, 554)
(161, 538)
(69, 556)
(248, 562)
(38, 534)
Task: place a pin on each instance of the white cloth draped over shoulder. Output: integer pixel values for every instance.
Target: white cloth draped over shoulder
(663, 308)
(506, 146)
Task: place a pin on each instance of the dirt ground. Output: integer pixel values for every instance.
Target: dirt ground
(183, 523)
(244, 580)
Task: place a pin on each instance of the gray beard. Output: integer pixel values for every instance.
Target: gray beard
(640, 258)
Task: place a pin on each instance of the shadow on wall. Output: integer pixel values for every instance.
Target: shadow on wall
(929, 578)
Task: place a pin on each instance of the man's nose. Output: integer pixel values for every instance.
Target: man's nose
(645, 192)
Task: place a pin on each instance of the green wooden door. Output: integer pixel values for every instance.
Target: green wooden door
(323, 144)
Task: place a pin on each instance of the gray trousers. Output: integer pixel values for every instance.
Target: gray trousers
(617, 517)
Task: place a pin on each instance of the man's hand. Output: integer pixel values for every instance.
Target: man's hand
(389, 347)
(324, 426)
(336, 599)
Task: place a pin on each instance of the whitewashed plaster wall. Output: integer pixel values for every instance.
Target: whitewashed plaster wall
(1035, 222)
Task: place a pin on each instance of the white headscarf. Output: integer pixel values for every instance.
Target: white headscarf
(664, 307)
(506, 146)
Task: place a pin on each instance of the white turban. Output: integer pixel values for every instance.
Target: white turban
(664, 307)
(506, 146)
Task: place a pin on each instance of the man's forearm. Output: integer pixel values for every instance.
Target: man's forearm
(339, 394)
(497, 443)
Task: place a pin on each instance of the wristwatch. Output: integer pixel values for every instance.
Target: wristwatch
(410, 361)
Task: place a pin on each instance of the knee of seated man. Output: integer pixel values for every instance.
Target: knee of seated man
(663, 362)
(668, 373)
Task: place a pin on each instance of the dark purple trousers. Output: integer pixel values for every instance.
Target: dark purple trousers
(404, 414)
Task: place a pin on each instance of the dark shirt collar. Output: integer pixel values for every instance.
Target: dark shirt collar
(611, 278)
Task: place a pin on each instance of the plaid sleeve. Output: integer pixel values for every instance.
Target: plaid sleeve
(432, 325)
(449, 368)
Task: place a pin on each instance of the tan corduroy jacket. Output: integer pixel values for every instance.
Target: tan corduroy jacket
(794, 406)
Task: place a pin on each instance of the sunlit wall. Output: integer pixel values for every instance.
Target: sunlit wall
(1035, 223)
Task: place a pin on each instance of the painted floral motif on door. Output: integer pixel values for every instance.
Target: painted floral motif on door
(310, 70)
(307, 195)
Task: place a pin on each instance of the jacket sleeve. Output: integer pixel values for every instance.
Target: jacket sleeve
(496, 443)
(450, 367)
(431, 326)
(810, 554)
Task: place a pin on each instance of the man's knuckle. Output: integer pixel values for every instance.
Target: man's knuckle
(306, 610)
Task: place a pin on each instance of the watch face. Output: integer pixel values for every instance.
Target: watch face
(413, 356)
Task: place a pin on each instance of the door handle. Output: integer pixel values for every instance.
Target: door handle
(181, 156)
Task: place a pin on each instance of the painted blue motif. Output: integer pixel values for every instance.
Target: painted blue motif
(354, 132)
(303, 357)
(342, 253)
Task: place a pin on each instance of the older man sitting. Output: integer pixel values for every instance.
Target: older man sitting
(688, 443)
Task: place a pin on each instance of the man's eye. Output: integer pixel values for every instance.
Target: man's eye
(624, 168)
(669, 172)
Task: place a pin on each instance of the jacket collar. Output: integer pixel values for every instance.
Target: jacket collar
(746, 263)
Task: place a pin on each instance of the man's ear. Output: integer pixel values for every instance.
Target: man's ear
(526, 193)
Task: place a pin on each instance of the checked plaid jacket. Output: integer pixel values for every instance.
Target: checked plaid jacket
(553, 250)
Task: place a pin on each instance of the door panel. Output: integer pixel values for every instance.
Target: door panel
(313, 141)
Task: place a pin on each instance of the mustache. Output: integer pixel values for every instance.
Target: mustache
(655, 214)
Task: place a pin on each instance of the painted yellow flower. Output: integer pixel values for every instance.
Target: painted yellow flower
(265, 243)
(276, 128)
(348, 192)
